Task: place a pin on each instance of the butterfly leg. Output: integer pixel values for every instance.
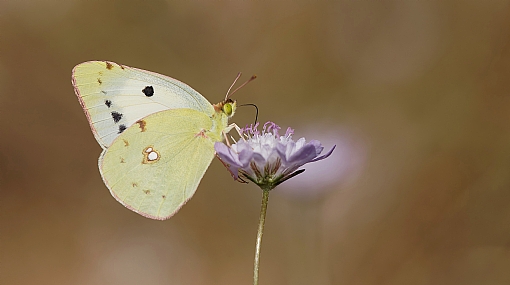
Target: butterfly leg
(228, 129)
(226, 139)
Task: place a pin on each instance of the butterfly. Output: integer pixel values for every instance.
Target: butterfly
(157, 134)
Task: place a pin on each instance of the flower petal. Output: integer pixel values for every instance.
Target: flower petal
(229, 157)
(318, 146)
(259, 160)
(302, 156)
(226, 154)
(245, 153)
(285, 150)
(324, 156)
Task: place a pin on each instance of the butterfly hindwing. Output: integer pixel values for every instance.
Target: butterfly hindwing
(155, 166)
(115, 96)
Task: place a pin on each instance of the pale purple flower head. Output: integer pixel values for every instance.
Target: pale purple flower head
(268, 159)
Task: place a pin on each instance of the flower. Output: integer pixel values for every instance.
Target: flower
(268, 159)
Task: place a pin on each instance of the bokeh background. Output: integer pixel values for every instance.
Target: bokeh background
(415, 94)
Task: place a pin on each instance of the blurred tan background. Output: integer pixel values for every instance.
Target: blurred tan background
(415, 94)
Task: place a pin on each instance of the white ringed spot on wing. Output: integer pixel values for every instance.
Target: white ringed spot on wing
(150, 155)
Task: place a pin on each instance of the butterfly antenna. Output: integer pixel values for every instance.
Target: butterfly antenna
(256, 108)
(234, 83)
(242, 85)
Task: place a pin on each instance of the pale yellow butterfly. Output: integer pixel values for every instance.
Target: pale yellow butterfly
(156, 132)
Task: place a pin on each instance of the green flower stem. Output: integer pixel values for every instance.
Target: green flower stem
(262, 220)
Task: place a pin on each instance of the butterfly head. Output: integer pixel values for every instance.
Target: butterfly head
(228, 107)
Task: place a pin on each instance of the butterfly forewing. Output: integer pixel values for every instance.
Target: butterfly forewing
(114, 96)
(155, 166)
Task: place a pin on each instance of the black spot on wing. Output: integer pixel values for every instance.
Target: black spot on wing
(116, 116)
(122, 128)
(148, 91)
(108, 103)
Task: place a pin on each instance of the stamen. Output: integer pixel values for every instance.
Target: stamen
(255, 130)
(289, 132)
(266, 126)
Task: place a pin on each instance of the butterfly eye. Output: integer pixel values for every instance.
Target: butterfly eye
(227, 109)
